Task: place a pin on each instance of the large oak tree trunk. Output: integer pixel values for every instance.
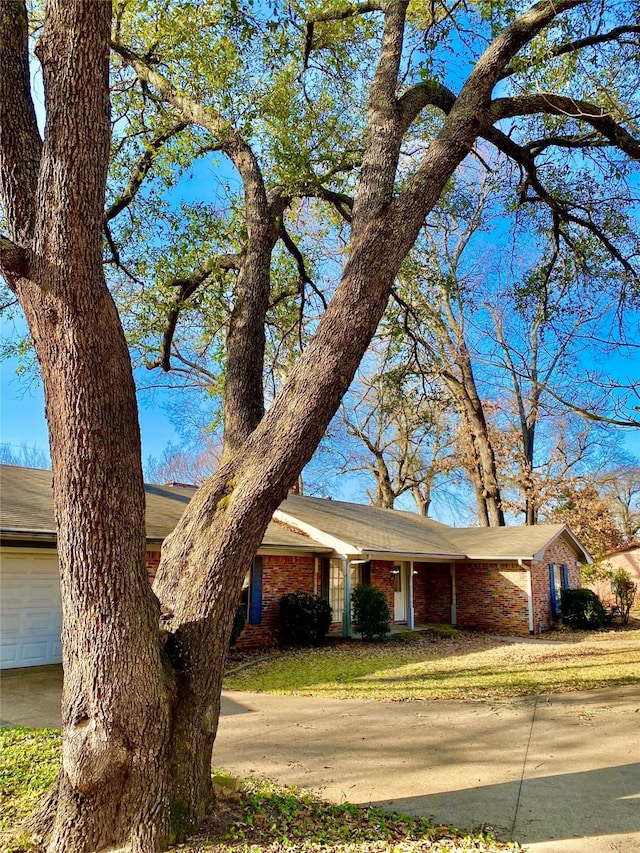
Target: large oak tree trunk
(111, 790)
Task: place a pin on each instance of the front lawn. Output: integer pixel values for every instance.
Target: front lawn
(428, 665)
(250, 816)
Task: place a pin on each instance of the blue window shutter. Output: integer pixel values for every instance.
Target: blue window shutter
(552, 587)
(565, 576)
(255, 598)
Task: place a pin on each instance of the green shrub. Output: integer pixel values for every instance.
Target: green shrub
(238, 624)
(304, 618)
(625, 591)
(371, 617)
(581, 608)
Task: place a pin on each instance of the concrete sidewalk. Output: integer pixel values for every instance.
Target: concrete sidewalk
(559, 774)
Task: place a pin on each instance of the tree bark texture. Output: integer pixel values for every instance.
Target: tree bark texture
(111, 791)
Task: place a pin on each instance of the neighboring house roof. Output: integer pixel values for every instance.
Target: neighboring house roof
(26, 511)
(623, 549)
(26, 501)
(301, 524)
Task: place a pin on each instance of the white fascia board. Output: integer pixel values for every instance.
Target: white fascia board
(418, 557)
(578, 546)
(503, 558)
(342, 549)
(292, 550)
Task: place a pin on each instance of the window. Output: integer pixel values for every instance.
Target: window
(333, 583)
(558, 580)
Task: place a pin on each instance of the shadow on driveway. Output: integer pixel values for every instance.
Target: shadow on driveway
(603, 802)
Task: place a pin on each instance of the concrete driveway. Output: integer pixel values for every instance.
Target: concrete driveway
(559, 774)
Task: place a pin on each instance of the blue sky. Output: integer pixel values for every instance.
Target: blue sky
(22, 420)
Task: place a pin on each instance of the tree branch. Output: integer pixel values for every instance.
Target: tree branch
(581, 111)
(428, 93)
(587, 41)
(340, 201)
(467, 116)
(187, 287)
(14, 259)
(20, 143)
(141, 169)
(525, 159)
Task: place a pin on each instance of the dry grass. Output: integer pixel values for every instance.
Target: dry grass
(467, 666)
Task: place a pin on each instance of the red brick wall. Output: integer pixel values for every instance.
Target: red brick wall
(280, 575)
(153, 561)
(558, 552)
(492, 597)
(432, 593)
(382, 579)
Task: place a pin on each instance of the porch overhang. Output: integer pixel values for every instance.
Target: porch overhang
(413, 556)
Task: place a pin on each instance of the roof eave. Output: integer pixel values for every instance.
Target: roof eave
(275, 550)
(578, 547)
(416, 556)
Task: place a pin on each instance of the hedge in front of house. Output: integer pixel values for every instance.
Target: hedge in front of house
(304, 618)
(581, 608)
(371, 616)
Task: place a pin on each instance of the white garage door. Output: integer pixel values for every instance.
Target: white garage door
(30, 616)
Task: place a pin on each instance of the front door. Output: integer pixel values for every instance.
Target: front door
(400, 593)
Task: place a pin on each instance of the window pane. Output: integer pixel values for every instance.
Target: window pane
(336, 590)
(557, 581)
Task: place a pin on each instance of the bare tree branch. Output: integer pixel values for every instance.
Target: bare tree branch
(525, 159)
(581, 111)
(587, 41)
(142, 168)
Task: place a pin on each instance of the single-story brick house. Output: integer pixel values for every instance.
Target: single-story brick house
(505, 580)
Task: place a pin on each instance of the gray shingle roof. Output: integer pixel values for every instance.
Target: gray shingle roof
(26, 509)
(505, 543)
(376, 531)
(371, 529)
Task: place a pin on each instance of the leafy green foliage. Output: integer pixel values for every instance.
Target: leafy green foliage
(371, 616)
(581, 608)
(625, 591)
(304, 618)
(239, 622)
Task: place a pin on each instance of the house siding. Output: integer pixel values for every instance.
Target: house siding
(628, 560)
(557, 552)
(432, 593)
(492, 597)
(280, 575)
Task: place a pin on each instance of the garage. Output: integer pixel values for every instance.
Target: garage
(30, 613)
